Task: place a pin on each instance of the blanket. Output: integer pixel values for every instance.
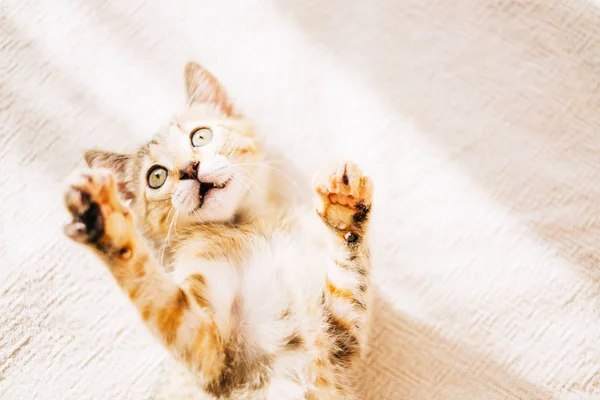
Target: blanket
(478, 121)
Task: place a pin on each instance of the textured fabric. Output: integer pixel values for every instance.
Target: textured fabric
(477, 119)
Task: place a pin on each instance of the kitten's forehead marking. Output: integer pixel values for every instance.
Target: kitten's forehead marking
(175, 143)
(177, 129)
(201, 111)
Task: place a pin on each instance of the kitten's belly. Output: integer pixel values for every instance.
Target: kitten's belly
(280, 288)
(285, 270)
(284, 276)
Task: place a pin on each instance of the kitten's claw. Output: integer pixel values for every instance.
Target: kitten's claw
(76, 231)
(345, 196)
(91, 199)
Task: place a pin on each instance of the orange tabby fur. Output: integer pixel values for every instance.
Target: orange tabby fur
(254, 299)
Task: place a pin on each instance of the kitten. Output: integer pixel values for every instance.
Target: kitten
(254, 300)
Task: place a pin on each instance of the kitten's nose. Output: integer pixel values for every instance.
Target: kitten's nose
(190, 171)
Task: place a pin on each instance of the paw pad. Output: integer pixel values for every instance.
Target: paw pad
(90, 197)
(346, 186)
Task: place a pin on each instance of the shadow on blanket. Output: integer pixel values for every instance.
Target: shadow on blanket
(405, 351)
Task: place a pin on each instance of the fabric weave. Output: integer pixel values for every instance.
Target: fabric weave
(478, 121)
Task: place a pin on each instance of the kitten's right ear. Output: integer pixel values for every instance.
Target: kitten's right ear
(203, 88)
(120, 165)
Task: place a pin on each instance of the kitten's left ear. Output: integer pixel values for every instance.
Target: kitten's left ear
(120, 164)
(203, 88)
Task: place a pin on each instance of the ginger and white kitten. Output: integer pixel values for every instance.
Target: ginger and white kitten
(253, 299)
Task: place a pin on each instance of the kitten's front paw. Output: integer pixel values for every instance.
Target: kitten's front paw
(98, 216)
(345, 196)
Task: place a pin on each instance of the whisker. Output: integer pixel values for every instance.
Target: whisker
(216, 172)
(224, 144)
(175, 225)
(196, 214)
(167, 239)
(235, 174)
(243, 180)
(276, 170)
(246, 178)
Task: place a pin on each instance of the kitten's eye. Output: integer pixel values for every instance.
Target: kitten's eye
(157, 176)
(201, 137)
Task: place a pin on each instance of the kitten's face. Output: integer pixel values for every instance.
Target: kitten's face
(198, 169)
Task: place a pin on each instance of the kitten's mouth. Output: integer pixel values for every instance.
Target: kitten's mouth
(209, 187)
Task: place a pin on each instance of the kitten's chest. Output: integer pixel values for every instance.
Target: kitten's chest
(296, 247)
(265, 274)
(256, 264)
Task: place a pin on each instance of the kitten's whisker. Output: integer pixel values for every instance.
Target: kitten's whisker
(167, 239)
(246, 178)
(224, 144)
(171, 210)
(216, 172)
(263, 162)
(276, 170)
(243, 180)
(231, 152)
(196, 214)
(235, 174)
(175, 231)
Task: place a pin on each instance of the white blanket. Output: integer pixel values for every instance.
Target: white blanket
(477, 119)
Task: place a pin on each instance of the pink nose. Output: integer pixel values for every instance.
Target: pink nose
(190, 171)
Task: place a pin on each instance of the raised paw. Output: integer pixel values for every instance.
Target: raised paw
(344, 197)
(99, 219)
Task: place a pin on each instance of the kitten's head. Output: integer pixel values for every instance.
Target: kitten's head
(197, 169)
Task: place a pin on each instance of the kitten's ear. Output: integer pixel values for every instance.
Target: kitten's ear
(203, 88)
(120, 164)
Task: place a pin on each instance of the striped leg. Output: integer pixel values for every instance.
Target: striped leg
(344, 206)
(178, 315)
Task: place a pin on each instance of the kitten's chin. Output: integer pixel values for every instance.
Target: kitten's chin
(219, 204)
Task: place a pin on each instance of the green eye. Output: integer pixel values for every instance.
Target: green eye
(157, 176)
(201, 137)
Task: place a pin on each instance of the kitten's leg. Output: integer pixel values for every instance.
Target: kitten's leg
(344, 205)
(178, 315)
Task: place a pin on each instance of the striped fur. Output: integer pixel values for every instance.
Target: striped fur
(255, 297)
